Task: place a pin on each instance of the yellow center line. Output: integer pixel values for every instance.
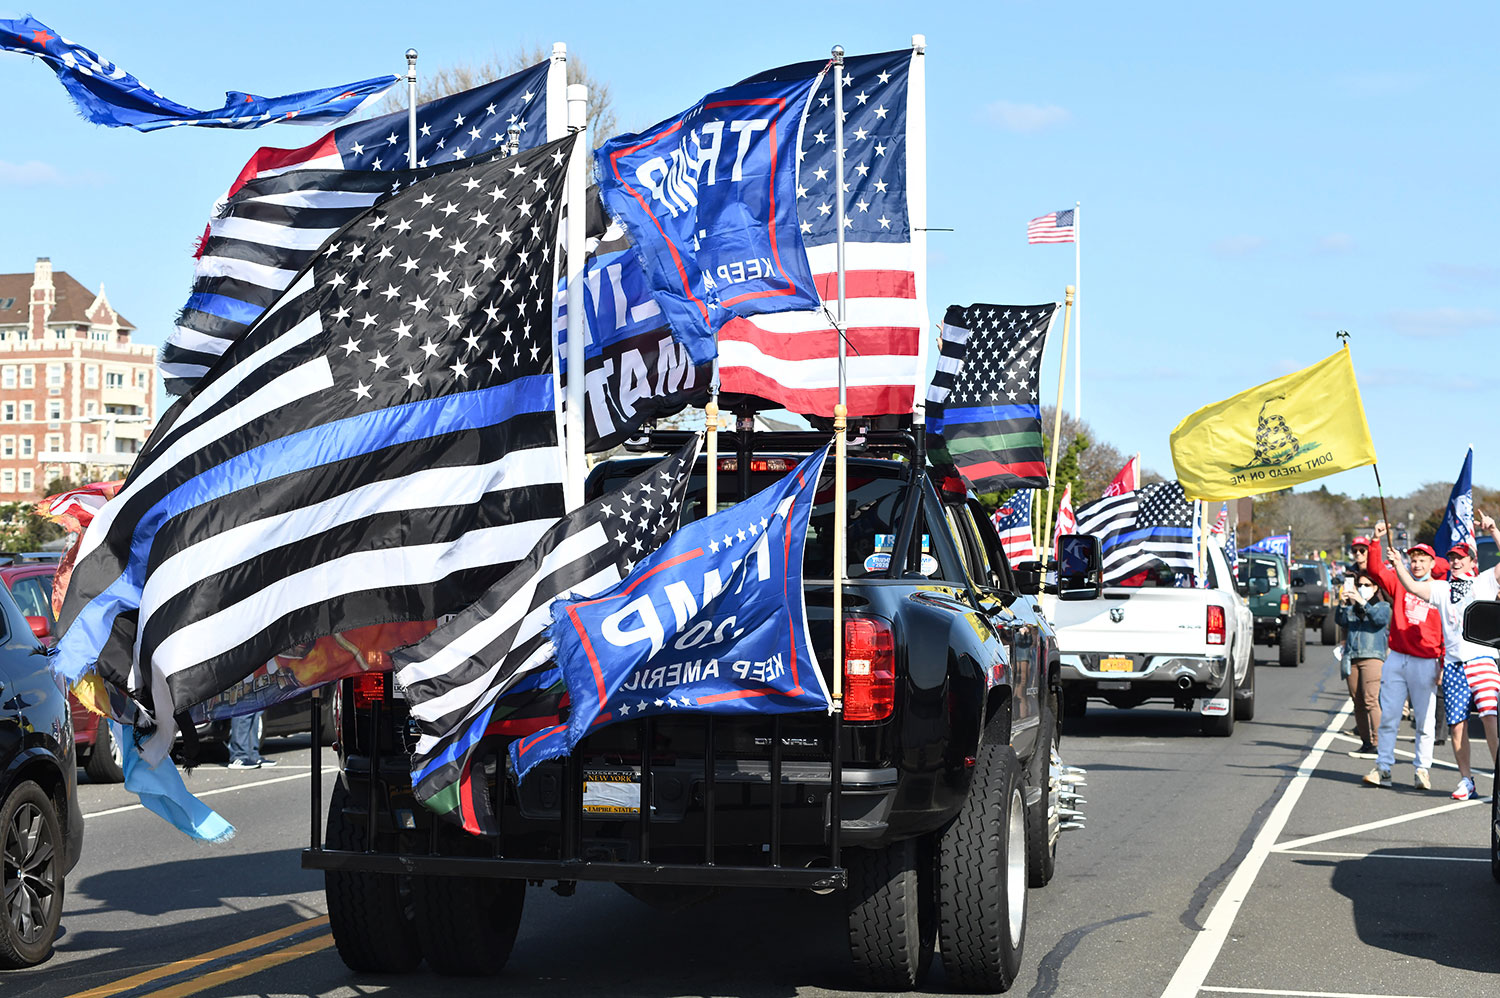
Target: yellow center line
(189, 963)
(255, 965)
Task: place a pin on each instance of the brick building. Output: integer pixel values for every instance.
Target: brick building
(76, 395)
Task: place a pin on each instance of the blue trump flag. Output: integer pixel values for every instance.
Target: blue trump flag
(1275, 544)
(107, 95)
(709, 198)
(712, 621)
(1458, 519)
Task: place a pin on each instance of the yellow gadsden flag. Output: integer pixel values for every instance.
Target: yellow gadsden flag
(1285, 432)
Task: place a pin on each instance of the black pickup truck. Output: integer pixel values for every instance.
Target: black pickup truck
(932, 799)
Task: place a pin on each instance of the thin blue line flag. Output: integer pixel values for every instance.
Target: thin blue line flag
(107, 95)
(709, 198)
(713, 621)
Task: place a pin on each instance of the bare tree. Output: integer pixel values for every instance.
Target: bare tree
(455, 77)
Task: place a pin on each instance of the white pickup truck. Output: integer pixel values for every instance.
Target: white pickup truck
(1193, 647)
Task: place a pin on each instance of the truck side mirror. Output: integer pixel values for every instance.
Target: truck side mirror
(40, 627)
(1482, 623)
(1028, 577)
(1080, 571)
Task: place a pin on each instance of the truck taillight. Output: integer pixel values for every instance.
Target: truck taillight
(1327, 598)
(1216, 625)
(369, 688)
(869, 669)
(1286, 603)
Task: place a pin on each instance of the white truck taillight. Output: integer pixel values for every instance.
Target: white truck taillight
(869, 669)
(1215, 625)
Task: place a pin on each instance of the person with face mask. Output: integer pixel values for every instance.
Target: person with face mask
(1470, 676)
(1412, 668)
(1365, 617)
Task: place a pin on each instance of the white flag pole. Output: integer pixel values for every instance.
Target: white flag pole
(916, 214)
(411, 109)
(557, 97)
(841, 410)
(1078, 309)
(576, 467)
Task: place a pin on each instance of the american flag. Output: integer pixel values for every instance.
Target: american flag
(457, 678)
(1012, 520)
(1142, 529)
(792, 358)
(381, 445)
(264, 236)
(1053, 227)
(1221, 521)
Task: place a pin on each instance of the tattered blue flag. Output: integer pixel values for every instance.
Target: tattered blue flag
(712, 621)
(1458, 519)
(709, 198)
(107, 95)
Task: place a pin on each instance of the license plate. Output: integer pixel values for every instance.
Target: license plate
(611, 793)
(1113, 664)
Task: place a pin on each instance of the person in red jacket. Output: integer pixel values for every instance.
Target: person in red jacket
(1414, 667)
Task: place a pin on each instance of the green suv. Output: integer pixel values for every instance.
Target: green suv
(1265, 582)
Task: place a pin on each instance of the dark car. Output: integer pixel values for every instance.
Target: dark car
(41, 826)
(1266, 584)
(931, 802)
(1314, 587)
(30, 584)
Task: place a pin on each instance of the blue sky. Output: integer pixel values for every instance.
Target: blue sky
(1252, 180)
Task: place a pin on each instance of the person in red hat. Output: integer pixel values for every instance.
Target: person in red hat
(1471, 677)
(1413, 667)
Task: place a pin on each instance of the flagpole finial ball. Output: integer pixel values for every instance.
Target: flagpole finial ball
(838, 54)
(1069, 291)
(411, 55)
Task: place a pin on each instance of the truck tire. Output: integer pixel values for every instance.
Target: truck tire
(1041, 838)
(1244, 695)
(1289, 642)
(32, 877)
(982, 878)
(106, 762)
(1075, 705)
(1222, 726)
(467, 925)
(369, 913)
(1328, 633)
(892, 914)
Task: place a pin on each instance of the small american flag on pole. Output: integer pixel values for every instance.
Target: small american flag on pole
(1053, 227)
(1012, 522)
(1222, 521)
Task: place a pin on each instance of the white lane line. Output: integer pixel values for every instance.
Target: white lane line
(210, 793)
(1380, 855)
(1303, 994)
(1194, 968)
(1479, 772)
(1399, 819)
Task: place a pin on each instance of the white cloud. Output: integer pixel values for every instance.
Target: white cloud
(1238, 245)
(1026, 117)
(1444, 320)
(32, 173)
(1336, 242)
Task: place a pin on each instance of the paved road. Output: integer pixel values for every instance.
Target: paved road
(1210, 866)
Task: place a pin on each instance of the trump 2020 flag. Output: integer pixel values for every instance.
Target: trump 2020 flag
(713, 621)
(709, 198)
(107, 95)
(1275, 544)
(1458, 519)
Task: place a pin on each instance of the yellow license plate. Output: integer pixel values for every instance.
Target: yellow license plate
(1116, 665)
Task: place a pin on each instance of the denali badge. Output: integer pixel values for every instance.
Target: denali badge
(1117, 613)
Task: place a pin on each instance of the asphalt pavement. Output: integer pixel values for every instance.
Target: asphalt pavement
(1257, 864)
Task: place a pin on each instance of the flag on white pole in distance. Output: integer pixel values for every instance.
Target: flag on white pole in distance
(1067, 521)
(1053, 227)
(381, 445)
(1012, 520)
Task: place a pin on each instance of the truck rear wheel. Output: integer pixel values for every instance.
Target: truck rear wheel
(982, 881)
(369, 913)
(467, 925)
(1075, 704)
(1289, 642)
(1329, 632)
(1244, 696)
(1041, 835)
(1222, 725)
(892, 914)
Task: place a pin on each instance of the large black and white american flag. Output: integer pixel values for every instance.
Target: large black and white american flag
(381, 445)
(263, 236)
(456, 679)
(791, 358)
